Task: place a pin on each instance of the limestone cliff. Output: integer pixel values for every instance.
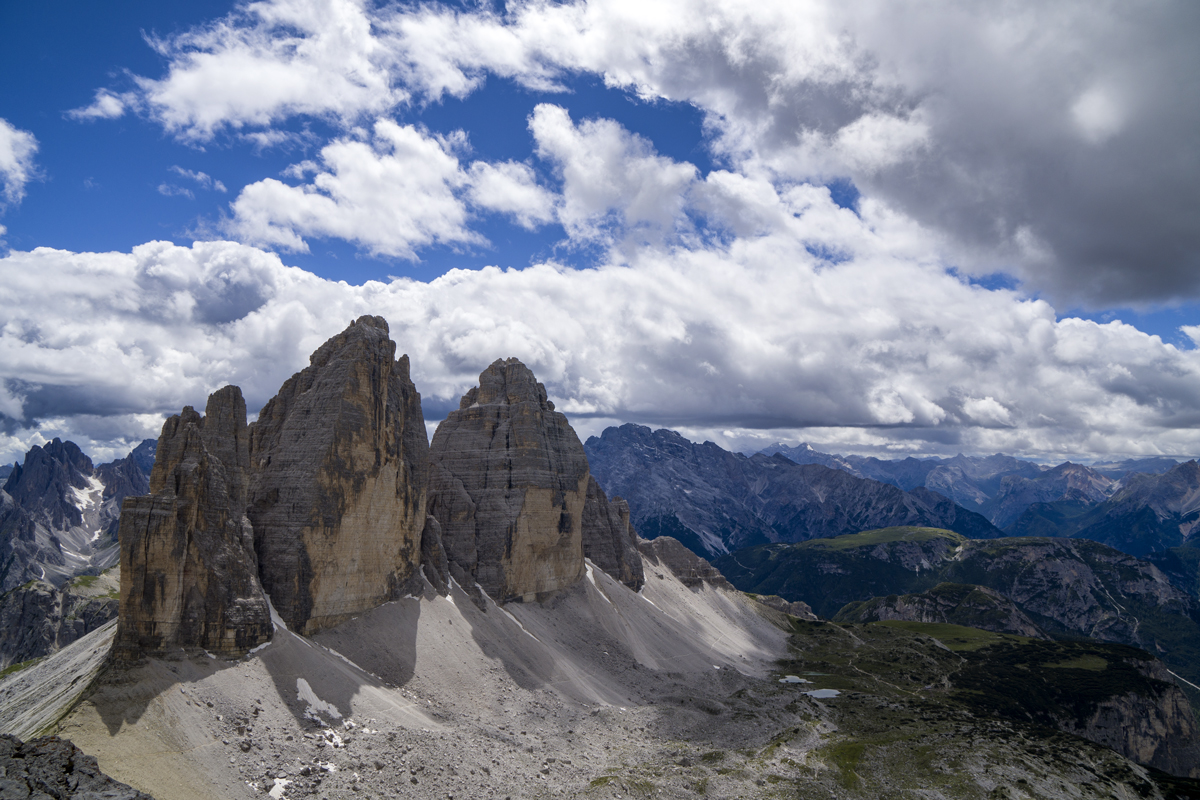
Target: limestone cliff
(508, 485)
(189, 576)
(608, 538)
(337, 491)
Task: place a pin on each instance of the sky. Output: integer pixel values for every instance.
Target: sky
(890, 228)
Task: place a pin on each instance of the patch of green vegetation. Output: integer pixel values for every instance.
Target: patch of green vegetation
(12, 669)
(1092, 663)
(956, 637)
(845, 756)
(906, 533)
(713, 756)
(603, 780)
(84, 581)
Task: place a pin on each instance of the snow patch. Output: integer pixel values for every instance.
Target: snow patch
(793, 679)
(276, 620)
(305, 694)
(277, 790)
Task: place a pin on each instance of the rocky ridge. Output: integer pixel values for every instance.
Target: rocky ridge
(51, 767)
(950, 603)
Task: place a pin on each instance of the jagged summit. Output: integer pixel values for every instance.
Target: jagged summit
(506, 382)
(508, 484)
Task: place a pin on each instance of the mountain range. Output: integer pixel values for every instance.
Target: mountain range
(59, 513)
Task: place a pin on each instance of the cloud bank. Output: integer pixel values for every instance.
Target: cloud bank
(753, 340)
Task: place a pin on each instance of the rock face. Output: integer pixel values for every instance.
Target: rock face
(37, 619)
(51, 767)
(953, 603)
(608, 538)
(337, 494)
(716, 502)
(189, 576)
(508, 485)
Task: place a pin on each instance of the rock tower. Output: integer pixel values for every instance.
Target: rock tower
(189, 574)
(339, 464)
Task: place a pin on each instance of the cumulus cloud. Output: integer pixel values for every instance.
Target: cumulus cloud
(393, 192)
(1047, 141)
(106, 105)
(313, 57)
(17, 149)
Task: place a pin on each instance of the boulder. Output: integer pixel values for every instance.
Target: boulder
(508, 485)
(189, 576)
(337, 491)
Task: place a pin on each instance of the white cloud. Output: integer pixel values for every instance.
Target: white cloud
(880, 349)
(392, 194)
(204, 180)
(511, 188)
(311, 57)
(106, 105)
(17, 149)
(610, 177)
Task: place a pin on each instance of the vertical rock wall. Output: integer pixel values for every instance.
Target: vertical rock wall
(339, 464)
(189, 576)
(508, 484)
(608, 538)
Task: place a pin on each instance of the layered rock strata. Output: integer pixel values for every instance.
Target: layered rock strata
(693, 571)
(508, 485)
(189, 575)
(608, 538)
(337, 493)
(37, 619)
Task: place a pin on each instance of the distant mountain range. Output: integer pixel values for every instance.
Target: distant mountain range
(59, 513)
(716, 501)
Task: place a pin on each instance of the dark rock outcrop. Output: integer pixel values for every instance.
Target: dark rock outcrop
(608, 538)
(37, 619)
(337, 492)
(508, 485)
(952, 603)
(51, 767)
(189, 575)
(691, 570)
(715, 501)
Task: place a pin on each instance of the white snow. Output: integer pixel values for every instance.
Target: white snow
(276, 620)
(793, 679)
(305, 693)
(277, 790)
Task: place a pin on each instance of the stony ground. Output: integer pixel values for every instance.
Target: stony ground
(599, 693)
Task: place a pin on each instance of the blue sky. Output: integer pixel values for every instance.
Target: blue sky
(882, 228)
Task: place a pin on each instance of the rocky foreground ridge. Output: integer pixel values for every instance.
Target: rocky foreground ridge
(331, 503)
